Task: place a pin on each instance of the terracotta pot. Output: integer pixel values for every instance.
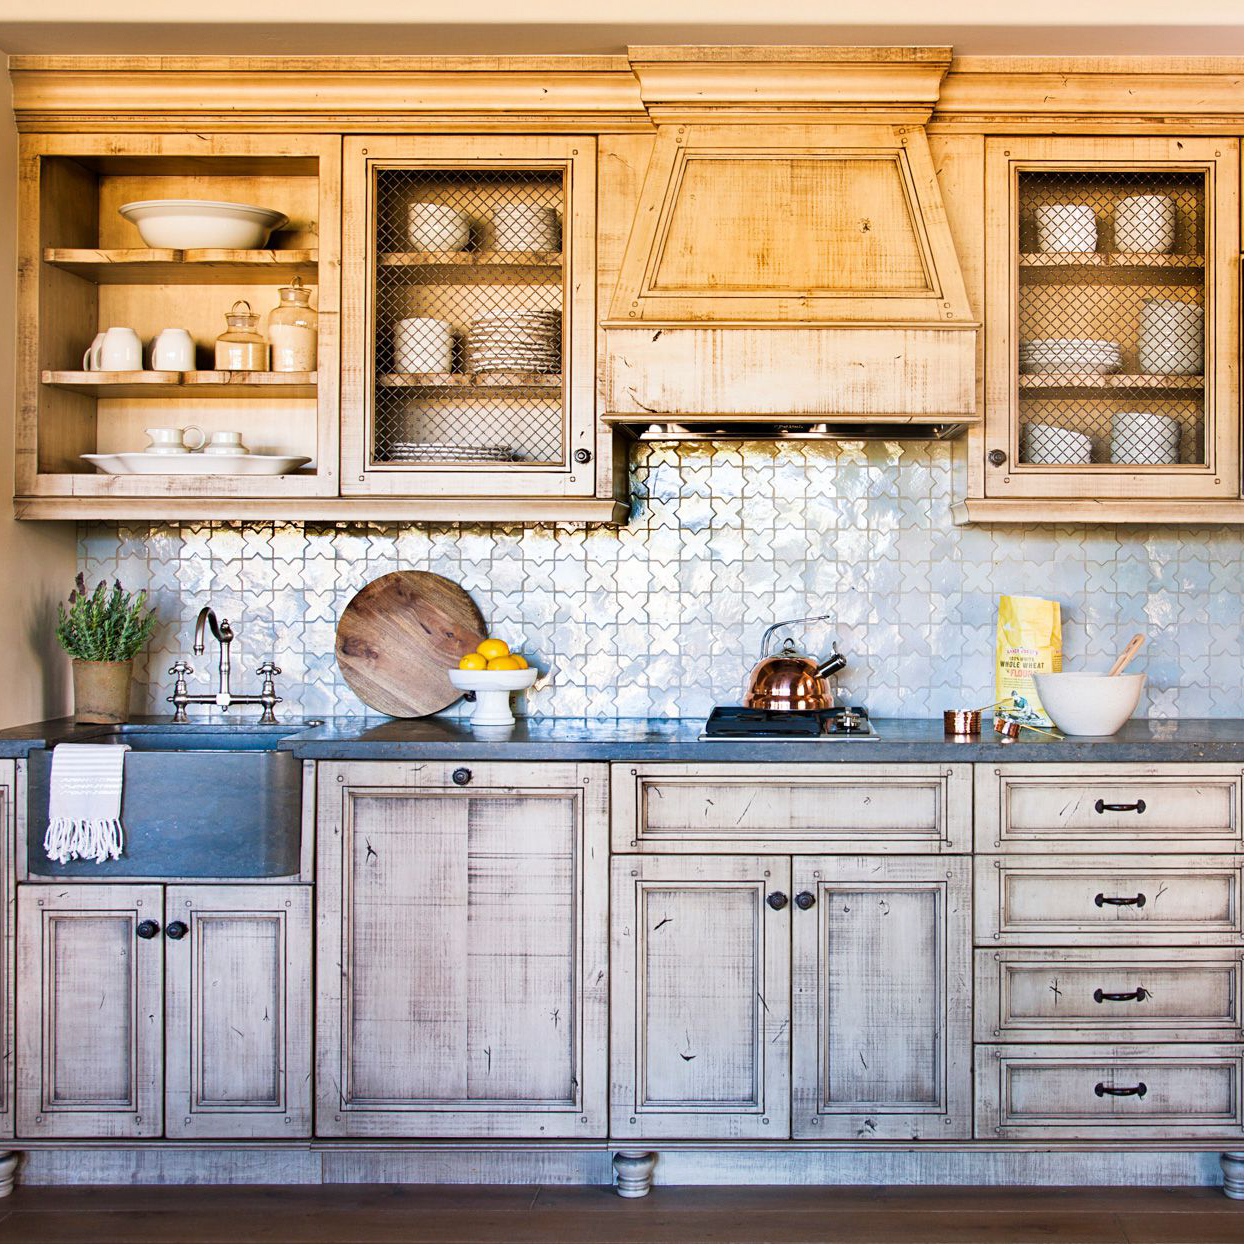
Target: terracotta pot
(101, 690)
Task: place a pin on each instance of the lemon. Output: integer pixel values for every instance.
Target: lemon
(473, 661)
(519, 660)
(490, 649)
(503, 663)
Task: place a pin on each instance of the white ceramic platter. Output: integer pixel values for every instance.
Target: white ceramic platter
(195, 464)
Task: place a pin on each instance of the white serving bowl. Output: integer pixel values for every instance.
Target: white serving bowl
(193, 224)
(1080, 703)
(492, 692)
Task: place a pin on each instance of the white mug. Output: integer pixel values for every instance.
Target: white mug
(115, 349)
(173, 440)
(225, 444)
(173, 350)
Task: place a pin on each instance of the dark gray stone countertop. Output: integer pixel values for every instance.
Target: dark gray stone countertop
(673, 739)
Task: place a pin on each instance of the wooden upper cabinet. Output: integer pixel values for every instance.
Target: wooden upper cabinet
(462, 950)
(793, 224)
(469, 364)
(1112, 329)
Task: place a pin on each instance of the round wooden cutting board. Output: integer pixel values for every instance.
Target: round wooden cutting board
(398, 638)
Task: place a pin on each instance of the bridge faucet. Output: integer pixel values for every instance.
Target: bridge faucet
(224, 696)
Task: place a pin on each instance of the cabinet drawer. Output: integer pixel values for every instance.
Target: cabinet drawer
(1147, 808)
(1094, 1091)
(1129, 995)
(1068, 900)
(913, 809)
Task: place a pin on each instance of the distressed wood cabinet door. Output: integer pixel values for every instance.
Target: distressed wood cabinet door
(882, 998)
(701, 997)
(463, 952)
(238, 1002)
(90, 1010)
(8, 936)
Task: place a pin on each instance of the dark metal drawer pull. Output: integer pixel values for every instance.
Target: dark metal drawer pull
(1101, 806)
(147, 929)
(777, 900)
(805, 899)
(1137, 995)
(1102, 901)
(1137, 1090)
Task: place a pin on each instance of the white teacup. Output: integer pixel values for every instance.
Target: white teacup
(115, 349)
(423, 344)
(225, 444)
(173, 350)
(173, 440)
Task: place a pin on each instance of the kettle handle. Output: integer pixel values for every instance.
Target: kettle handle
(777, 626)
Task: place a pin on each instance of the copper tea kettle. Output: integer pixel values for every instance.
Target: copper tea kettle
(789, 679)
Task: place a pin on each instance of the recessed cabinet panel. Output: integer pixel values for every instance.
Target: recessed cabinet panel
(701, 962)
(462, 1005)
(882, 998)
(238, 1051)
(91, 1011)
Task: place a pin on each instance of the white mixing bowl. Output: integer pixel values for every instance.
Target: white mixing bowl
(1089, 703)
(191, 224)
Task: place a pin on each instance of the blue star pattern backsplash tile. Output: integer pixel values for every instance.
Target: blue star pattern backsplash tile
(665, 615)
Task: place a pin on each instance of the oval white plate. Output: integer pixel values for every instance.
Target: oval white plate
(195, 464)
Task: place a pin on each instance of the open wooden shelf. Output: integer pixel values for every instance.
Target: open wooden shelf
(1096, 382)
(144, 266)
(185, 384)
(447, 381)
(1109, 259)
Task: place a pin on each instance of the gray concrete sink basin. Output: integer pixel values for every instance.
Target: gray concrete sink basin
(198, 801)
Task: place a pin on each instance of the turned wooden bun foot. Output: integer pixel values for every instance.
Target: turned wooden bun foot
(8, 1171)
(634, 1169)
(1232, 1175)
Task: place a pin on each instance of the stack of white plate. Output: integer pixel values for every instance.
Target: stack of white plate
(515, 341)
(418, 451)
(1066, 227)
(1043, 444)
(1144, 438)
(1172, 337)
(1145, 222)
(1091, 354)
(525, 227)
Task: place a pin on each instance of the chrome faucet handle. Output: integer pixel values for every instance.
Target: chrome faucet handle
(269, 667)
(180, 669)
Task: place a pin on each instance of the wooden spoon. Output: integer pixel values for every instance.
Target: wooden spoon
(1125, 657)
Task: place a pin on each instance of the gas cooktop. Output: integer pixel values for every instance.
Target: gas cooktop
(817, 726)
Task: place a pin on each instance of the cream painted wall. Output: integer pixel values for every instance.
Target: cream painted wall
(37, 560)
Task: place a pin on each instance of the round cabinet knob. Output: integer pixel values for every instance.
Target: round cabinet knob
(583, 456)
(996, 457)
(805, 899)
(461, 777)
(777, 900)
(176, 929)
(147, 929)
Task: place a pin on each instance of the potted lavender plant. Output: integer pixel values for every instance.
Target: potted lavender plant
(102, 631)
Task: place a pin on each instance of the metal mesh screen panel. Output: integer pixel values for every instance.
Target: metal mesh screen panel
(468, 317)
(1111, 317)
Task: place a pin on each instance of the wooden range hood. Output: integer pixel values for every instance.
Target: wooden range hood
(791, 263)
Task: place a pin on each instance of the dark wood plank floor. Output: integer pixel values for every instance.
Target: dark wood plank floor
(352, 1214)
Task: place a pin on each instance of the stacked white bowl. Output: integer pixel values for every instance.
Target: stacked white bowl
(1145, 222)
(1091, 354)
(1144, 438)
(1066, 227)
(439, 227)
(525, 227)
(1044, 444)
(422, 343)
(1172, 337)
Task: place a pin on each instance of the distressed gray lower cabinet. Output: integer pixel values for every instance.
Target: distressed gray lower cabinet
(767, 996)
(131, 1025)
(463, 949)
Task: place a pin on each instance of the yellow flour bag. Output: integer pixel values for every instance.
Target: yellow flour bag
(1030, 641)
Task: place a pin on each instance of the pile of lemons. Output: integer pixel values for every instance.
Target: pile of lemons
(493, 654)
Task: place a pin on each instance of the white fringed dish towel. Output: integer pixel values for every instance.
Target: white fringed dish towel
(84, 807)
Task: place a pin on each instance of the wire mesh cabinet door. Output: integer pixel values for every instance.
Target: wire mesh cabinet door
(470, 329)
(1112, 317)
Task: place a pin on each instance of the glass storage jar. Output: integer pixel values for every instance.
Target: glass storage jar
(241, 346)
(292, 329)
